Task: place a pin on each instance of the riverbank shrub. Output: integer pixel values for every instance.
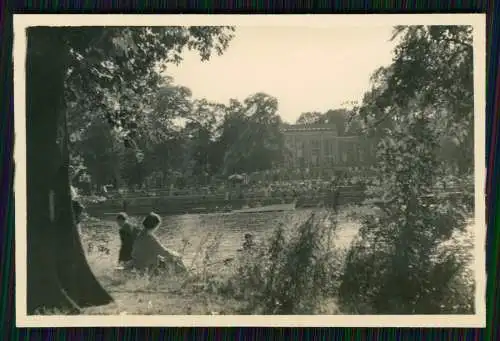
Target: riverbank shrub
(294, 272)
(397, 264)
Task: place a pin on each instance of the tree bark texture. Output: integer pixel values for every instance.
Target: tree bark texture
(58, 274)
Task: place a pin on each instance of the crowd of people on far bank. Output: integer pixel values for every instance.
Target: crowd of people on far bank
(258, 188)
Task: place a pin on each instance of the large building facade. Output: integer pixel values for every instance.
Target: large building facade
(319, 146)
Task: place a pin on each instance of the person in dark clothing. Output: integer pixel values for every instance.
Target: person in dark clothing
(77, 210)
(128, 234)
(249, 242)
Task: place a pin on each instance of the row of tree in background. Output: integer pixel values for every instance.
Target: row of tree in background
(182, 138)
(174, 136)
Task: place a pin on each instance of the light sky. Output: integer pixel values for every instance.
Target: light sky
(305, 68)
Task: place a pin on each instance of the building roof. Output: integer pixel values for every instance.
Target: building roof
(296, 128)
(308, 127)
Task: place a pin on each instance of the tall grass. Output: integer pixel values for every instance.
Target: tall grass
(294, 272)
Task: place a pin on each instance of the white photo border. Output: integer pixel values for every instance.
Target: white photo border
(23, 21)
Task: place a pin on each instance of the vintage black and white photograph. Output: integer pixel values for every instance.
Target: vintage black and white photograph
(205, 170)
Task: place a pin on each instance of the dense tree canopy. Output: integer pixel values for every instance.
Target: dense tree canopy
(432, 65)
(341, 118)
(116, 76)
(252, 135)
(195, 139)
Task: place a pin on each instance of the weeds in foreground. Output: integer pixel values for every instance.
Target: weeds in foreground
(295, 272)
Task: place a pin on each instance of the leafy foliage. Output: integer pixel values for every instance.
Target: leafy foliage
(115, 76)
(309, 117)
(397, 266)
(341, 118)
(251, 135)
(117, 71)
(391, 267)
(433, 64)
(294, 272)
(214, 139)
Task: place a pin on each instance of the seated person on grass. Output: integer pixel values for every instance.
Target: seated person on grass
(149, 254)
(77, 211)
(248, 243)
(128, 234)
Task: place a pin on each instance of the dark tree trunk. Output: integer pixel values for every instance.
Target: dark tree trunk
(58, 274)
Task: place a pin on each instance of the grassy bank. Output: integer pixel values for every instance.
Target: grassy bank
(144, 294)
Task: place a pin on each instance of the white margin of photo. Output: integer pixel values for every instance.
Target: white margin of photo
(22, 21)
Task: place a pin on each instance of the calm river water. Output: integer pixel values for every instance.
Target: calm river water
(191, 234)
(186, 233)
